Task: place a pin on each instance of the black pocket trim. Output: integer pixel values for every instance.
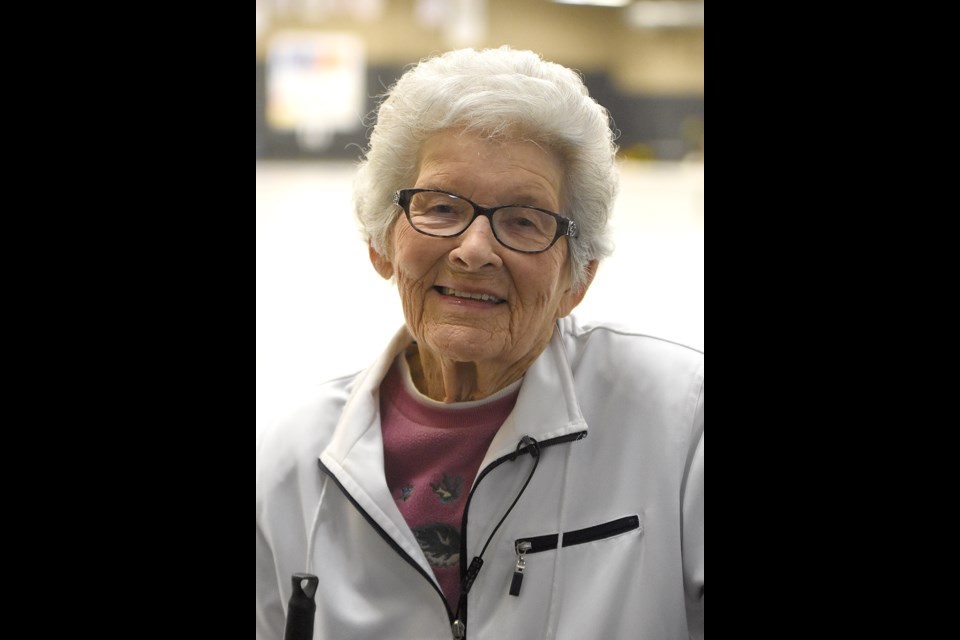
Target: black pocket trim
(580, 536)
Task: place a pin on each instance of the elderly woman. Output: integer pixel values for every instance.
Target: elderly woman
(501, 472)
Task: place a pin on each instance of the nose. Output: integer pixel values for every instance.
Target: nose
(477, 246)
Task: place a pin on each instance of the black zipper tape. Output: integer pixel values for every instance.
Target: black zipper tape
(580, 536)
(386, 536)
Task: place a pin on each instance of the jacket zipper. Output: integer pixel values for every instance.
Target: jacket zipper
(536, 544)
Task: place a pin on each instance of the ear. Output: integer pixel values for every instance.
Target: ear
(574, 295)
(383, 266)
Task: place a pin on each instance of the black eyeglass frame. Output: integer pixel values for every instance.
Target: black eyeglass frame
(565, 226)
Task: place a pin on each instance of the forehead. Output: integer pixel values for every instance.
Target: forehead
(460, 161)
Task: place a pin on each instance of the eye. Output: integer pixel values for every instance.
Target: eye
(440, 205)
(440, 208)
(525, 220)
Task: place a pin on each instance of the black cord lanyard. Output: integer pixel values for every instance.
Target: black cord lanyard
(533, 448)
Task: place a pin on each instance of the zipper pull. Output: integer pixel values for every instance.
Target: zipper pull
(459, 630)
(522, 547)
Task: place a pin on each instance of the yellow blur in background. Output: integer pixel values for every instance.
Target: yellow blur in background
(321, 64)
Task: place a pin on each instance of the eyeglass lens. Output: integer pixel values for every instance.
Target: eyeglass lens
(442, 214)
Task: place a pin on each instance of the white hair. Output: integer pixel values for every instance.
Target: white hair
(498, 93)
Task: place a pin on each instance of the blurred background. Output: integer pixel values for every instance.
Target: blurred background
(322, 311)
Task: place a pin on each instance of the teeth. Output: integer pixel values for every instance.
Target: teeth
(447, 291)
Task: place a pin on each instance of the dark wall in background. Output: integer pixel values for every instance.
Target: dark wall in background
(652, 127)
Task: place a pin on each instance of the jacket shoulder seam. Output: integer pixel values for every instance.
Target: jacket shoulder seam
(585, 331)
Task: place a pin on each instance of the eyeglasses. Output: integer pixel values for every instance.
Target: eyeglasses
(518, 227)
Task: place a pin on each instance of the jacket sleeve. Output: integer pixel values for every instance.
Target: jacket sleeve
(692, 541)
(270, 610)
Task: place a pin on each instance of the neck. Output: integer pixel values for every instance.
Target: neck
(448, 380)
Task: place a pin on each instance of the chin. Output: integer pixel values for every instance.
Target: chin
(463, 344)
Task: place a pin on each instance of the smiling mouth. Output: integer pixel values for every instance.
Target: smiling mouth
(484, 297)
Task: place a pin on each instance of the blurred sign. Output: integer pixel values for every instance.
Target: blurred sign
(462, 23)
(316, 84)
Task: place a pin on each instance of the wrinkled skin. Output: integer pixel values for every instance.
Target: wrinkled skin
(467, 348)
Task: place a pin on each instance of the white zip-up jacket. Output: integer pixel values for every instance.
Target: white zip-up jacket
(612, 514)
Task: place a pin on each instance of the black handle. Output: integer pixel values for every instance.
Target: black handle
(301, 608)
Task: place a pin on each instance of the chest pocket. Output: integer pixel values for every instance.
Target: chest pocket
(537, 544)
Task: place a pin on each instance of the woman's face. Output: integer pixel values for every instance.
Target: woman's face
(437, 276)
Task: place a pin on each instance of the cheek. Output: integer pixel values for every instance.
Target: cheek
(407, 253)
(415, 264)
(415, 248)
(546, 285)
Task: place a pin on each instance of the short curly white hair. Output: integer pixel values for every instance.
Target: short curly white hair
(499, 93)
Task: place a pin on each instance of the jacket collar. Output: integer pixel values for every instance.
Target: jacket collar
(547, 406)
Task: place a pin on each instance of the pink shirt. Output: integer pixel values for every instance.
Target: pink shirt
(432, 453)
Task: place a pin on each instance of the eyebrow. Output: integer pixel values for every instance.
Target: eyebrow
(526, 198)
